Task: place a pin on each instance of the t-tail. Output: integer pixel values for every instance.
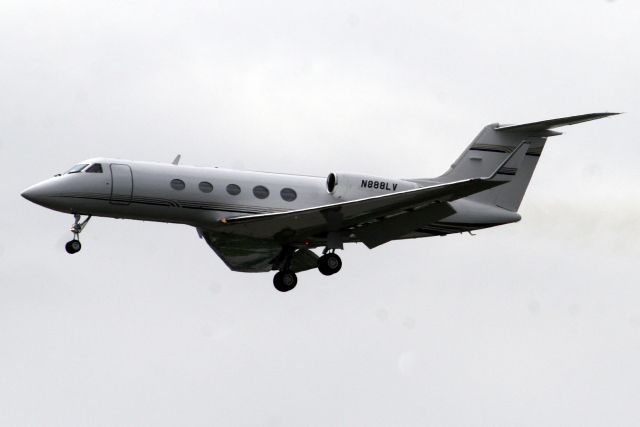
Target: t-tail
(523, 143)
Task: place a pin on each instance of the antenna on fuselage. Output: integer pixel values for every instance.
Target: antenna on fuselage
(176, 160)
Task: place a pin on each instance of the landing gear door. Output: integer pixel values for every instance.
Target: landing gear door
(121, 184)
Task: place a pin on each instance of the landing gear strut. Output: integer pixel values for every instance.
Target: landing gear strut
(74, 246)
(329, 263)
(285, 279)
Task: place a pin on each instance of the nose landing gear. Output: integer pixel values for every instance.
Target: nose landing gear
(74, 246)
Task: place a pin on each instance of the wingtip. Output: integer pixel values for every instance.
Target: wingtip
(606, 114)
(593, 116)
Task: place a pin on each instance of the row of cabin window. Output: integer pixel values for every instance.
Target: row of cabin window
(260, 191)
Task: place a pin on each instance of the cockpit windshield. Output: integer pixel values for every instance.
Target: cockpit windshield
(76, 168)
(94, 168)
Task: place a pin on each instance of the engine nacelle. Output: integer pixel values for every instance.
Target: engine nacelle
(348, 186)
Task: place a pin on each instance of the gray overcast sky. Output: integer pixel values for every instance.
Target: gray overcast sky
(536, 323)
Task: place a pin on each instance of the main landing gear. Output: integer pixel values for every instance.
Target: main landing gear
(329, 263)
(74, 246)
(285, 279)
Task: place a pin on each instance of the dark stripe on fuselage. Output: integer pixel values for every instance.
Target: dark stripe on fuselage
(535, 151)
(507, 171)
(492, 148)
(186, 204)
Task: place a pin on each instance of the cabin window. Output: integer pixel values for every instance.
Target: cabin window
(233, 189)
(205, 187)
(288, 194)
(177, 184)
(261, 192)
(77, 168)
(94, 168)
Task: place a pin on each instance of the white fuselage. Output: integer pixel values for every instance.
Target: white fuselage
(204, 196)
(144, 191)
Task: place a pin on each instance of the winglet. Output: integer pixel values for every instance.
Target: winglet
(176, 160)
(546, 125)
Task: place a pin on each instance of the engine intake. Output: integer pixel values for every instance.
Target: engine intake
(347, 186)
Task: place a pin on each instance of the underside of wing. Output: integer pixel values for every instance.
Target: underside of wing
(249, 255)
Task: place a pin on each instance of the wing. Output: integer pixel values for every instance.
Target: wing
(256, 243)
(250, 255)
(416, 206)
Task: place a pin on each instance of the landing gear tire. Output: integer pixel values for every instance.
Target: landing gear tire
(284, 281)
(329, 264)
(73, 246)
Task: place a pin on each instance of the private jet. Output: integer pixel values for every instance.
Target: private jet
(261, 222)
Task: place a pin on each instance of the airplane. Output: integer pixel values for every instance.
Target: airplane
(261, 222)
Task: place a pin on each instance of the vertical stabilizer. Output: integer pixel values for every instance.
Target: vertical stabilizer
(492, 146)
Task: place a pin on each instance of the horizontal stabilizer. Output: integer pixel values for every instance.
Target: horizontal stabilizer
(553, 123)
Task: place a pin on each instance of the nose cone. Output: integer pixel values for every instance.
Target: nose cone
(34, 193)
(40, 193)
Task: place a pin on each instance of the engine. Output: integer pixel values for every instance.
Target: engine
(347, 186)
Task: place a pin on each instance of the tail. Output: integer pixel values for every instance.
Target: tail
(522, 143)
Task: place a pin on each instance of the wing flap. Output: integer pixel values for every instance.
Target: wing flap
(388, 229)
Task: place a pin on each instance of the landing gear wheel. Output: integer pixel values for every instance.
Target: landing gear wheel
(73, 246)
(329, 264)
(284, 281)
